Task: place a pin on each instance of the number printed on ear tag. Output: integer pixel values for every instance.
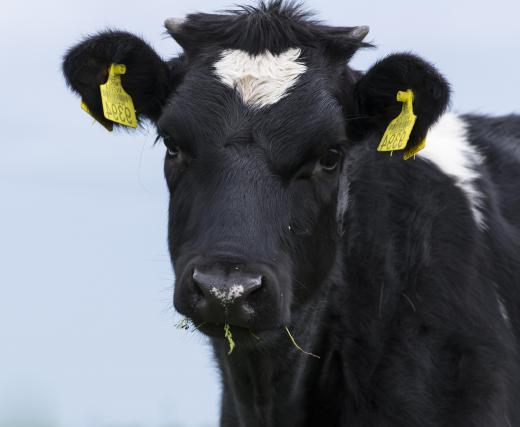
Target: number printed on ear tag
(398, 131)
(117, 104)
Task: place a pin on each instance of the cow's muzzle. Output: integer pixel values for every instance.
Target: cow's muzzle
(218, 292)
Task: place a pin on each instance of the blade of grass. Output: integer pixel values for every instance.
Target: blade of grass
(184, 323)
(229, 336)
(298, 347)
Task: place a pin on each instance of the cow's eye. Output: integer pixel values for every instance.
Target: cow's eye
(172, 150)
(329, 161)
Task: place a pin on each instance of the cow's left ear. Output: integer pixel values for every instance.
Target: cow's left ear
(147, 78)
(373, 104)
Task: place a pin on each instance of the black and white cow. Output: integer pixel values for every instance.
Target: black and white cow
(402, 276)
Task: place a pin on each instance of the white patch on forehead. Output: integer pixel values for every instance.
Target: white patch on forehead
(448, 147)
(227, 296)
(262, 79)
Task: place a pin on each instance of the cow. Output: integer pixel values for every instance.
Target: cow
(340, 285)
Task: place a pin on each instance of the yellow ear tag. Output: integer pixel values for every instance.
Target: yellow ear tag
(106, 124)
(412, 151)
(117, 104)
(398, 131)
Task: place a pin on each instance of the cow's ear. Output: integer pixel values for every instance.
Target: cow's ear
(373, 103)
(148, 79)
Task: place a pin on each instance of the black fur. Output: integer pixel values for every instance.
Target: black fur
(376, 265)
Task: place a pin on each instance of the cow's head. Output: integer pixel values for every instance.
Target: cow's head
(257, 116)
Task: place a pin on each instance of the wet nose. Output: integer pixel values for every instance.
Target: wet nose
(224, 288)
(226, 293)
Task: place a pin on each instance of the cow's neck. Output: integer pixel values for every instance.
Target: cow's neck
(275, 384)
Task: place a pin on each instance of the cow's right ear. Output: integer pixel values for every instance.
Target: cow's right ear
(148, 79)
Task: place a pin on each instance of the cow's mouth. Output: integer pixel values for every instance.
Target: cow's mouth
(240, 335)
(218, 330)
(244, 336)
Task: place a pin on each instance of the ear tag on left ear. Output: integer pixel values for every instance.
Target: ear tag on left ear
(117, 104)
(398, 131)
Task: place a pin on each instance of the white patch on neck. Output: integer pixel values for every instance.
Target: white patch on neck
(447, 146)
(262, 79)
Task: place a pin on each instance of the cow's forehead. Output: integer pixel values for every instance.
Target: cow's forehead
(262, 79)
(276, 99)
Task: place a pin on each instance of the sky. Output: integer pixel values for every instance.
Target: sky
(87, 327)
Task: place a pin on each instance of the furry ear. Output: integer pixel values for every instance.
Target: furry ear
(147, 79)
(373, 103)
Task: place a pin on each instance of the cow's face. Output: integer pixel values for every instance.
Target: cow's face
(258, 116)
(255, 148)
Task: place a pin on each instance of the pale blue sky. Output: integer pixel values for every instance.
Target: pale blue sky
(86, 324)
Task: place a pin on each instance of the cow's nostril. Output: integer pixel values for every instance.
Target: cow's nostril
(251, 284)
(199, 293)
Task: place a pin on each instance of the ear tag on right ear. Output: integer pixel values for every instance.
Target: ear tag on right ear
(398, 131)
(117, 104)
(105, 123)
